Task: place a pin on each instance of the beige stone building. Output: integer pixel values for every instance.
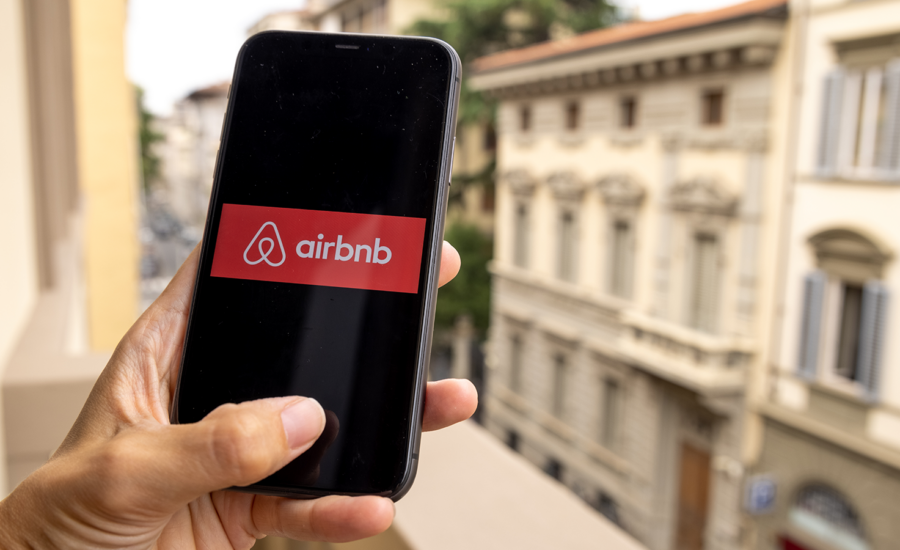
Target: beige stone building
(831, 444)
(641, 176)
(68, 210)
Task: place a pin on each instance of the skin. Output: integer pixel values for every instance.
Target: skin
(126, 478)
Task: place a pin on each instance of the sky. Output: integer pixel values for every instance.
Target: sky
(177, 46)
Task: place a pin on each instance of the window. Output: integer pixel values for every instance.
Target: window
(566, 247)
(607, 506)
(512, 440)
(826, 514)
(621, 259)
(525, 118)
(845, 308)
(628, 112)
(609, 427)
(560, 373)
(554, 469)
(848, 337)
(520, 237)
(712, 107)
(860, 129)
(573, 115)
(515, 364)
(489, 143)
(704, 283)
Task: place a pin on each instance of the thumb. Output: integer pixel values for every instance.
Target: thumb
(235, 445)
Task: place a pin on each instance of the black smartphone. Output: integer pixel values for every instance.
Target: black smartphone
(319, 264)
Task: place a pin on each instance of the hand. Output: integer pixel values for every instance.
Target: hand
(125, 478)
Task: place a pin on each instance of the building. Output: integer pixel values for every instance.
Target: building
(831, 442)
(188, 153)
(69, 168)
(293, 20)
(641, 172)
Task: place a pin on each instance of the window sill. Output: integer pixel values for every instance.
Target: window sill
(845, 390)
(852, 180)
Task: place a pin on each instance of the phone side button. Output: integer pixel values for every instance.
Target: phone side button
(452, 158)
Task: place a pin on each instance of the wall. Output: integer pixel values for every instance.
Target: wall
(18, 276)
(108, 168)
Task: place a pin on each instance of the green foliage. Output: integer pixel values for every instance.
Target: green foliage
(470, 292)
(150, 162)
(481, 27)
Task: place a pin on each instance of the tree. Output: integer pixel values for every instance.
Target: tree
(469, 292)
(481, 27)
(150, 162)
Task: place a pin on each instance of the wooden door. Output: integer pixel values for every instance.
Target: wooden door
(693, 497)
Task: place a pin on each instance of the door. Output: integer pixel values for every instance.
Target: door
(693, 496)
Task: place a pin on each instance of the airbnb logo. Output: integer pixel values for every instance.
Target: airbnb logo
(349, 250)
(264, 254)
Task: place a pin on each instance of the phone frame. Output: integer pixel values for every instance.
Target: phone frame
(434, 267)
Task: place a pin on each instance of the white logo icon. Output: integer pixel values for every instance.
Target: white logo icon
(264, 254)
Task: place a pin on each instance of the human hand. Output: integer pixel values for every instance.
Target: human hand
(126, 478)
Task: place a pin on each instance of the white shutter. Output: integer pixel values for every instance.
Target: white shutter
(871, 336)
(832, 99)
(811, 324)
(849, 126)
(888, 160)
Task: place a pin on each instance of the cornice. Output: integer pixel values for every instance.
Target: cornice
(740, 45)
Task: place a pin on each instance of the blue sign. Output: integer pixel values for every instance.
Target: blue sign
(760, 494)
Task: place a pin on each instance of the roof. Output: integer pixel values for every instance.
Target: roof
(625, 33)
(219, 89)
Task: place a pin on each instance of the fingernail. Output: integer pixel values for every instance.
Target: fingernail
(303, 422)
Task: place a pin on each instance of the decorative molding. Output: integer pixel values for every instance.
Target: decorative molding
(572, 139)
(748, 140)
(672, 141)
(702, 195)
(621, 189)
(521, 182)
(566, 185)
(626, 138)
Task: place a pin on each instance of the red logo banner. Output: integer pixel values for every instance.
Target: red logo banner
(315, 247)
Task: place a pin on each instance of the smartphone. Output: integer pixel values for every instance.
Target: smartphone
(320, 257)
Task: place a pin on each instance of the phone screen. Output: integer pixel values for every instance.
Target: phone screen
(314, 273)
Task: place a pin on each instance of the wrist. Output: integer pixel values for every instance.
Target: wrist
(17, 517)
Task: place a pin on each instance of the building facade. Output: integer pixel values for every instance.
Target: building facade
(831, 443)
(69, 171)
(640, 174)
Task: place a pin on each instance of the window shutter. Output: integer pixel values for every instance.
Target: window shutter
(871, 336)
(888, 160)
(705, 293)
(813, 294)
(832, 99)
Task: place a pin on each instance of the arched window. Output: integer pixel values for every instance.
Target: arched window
(824, 513)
